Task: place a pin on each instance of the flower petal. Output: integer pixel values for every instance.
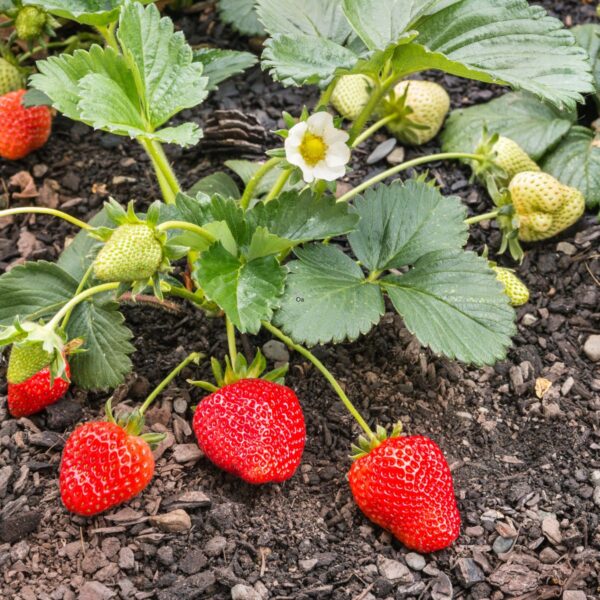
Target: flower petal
(320, 123)
(338, 155)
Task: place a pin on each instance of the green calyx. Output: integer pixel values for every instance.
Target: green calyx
(364, 445)
(30, 23)
(241, 370)
(134, 252)
(10, 77)
(133, 424)
(35, 346)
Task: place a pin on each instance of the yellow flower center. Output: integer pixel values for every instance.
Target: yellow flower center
(313, 149)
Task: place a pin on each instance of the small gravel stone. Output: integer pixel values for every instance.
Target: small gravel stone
(468, 573)
(574, 595)
(94, 590)
(548, 556)
(415, 561)
(126, 558)
(244, 592)
(502, 545)
(308, 564)
(193, 561)
(551, 529)
(393, 570)
(596, 496)
(475, 531)
(215, 546)
(528, 320)
(381, 151)
(184, 453)
(19, 551)
(165, 555)
(93, 560)
(566, 248)
(592, 348)
(110, 546)
(176, 521)
(276, 351)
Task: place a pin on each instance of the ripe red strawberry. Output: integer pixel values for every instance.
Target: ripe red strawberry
(253, 429)
(103, 466)
(22, 130)
(405, 486)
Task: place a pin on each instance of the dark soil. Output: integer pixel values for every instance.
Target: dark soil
(526, 468)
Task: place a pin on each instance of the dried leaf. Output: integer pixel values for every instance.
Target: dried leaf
(24, 181)
(542, 386)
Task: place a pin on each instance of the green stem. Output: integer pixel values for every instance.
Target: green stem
(325, 372)
(484, 217)
(255, 180)
(279, 185)
(166, 178)
(373, 129)
(209, 237)
(98, 289)
(231, 341)
(21, 210)
(79, 289)
(193, 357)
(407, 165)
(185, 294)
(325, 98)
(376, 96)
(23, 57)
(108, 33)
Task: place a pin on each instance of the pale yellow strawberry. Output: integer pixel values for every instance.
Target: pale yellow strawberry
(351, 95)
(421, 107)
(512, 159)
(544, 206)
(514, 288)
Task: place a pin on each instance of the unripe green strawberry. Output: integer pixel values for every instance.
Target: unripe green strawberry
(514, 288)
(351, 95)
(26, 361)
(132, 253)
(544, 206)
(512, 159)
(30, 22)
(421, 106)
(10, 78)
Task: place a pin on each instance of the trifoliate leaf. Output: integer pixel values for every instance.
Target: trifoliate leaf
(86, 12)
(241, 15)
(220, 65)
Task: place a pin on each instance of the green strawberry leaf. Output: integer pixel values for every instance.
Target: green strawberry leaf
(86, 12)
(303, 59)
(576, 162)
(382, 23)
(319, 18)
(535, 126)
(401, 222)
(264, 243)
(161, 61)
(220, 65)
(327, 298)
(194, 209)
(588, 37)
(248, 292)
(217, 183)
(303, 217)
(229, 211)
(453, 303)
(241, 15)
(510, 42)
(39, 289)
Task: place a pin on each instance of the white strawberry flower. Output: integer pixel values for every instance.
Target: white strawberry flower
(318, 148)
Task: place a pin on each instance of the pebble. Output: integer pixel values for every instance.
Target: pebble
(5, 475)
(244, 592)
(19, 551)
(176, 521)
(528, 320)
(502, 545)
(566, 248)
(592, 348)
(393, 570)
(468, 573)
(475, 531)
(184, 453)
(442, 588)
(93, 560)
(165, 555)
(551, 529)
(548, 556)
(596, 496)
(396, 156)
(94, 590)
(215, 546)
(126, 558)
(595, 477)
(110, 546)
(381, 151)
(415, 561)
(574, 595)
(308, 564)
(276, 351)
(193, 561)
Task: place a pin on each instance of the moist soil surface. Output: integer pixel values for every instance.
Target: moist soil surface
(526, 465)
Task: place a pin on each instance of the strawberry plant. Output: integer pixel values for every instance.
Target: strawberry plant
(285, 255)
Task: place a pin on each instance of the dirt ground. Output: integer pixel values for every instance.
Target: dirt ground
(526, 469)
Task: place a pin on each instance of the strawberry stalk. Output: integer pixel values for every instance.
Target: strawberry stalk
(256, 179)
(407, 165)
(21, 210)
(483, 217)
(194, 357)
(279, 185)
(231, 340)
(367, 133)
(327, 374)
(79, 289)
(209, 237)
